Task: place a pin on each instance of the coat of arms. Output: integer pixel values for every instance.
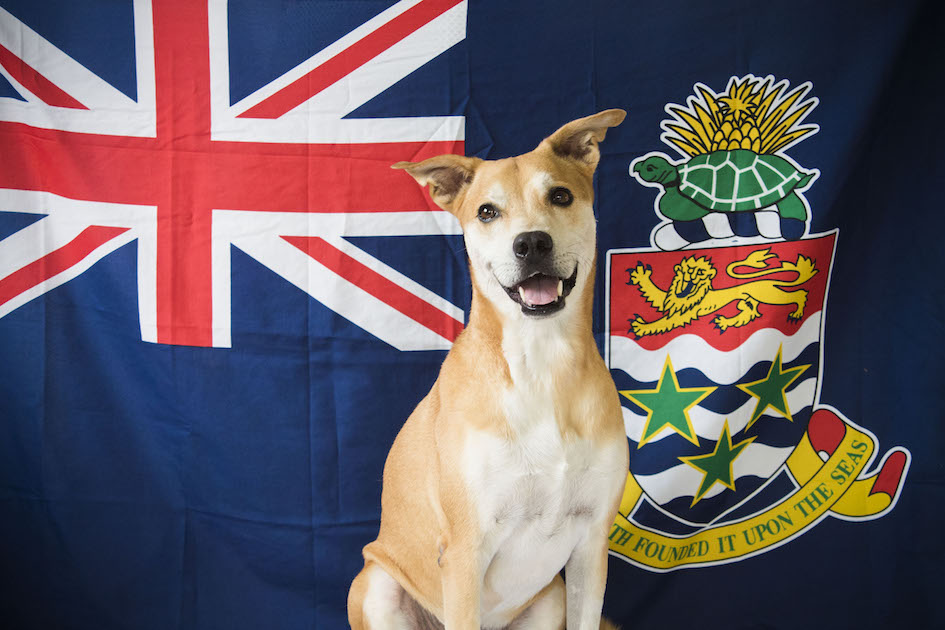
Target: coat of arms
(715, 341)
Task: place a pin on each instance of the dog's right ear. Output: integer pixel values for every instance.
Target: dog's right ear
(447, 175)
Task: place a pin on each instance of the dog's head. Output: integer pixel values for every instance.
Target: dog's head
(528, 221)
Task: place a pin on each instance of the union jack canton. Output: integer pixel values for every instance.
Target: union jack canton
(284, 173)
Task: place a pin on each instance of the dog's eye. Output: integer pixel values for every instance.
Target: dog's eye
(561, 196)
(487, 212)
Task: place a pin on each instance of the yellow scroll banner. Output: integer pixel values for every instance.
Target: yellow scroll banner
(826, 486)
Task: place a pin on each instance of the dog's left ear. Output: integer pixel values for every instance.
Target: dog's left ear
(578, 139)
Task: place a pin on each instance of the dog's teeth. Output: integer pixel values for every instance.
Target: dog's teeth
(560, 288)
(521, 293)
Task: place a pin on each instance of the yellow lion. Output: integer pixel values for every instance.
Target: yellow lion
(691, 295)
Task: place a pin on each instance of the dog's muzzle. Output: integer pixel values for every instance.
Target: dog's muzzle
(541, 294)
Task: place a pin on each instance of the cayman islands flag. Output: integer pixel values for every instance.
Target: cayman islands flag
(715, 341)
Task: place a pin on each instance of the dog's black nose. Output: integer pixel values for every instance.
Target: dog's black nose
(532, 246)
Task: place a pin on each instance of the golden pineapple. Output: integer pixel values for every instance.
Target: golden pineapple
(753, 114)
(739, 109)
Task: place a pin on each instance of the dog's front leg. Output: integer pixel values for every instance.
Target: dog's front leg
(585, 576)
(461, 577)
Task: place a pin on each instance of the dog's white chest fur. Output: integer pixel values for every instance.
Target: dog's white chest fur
(536, 496)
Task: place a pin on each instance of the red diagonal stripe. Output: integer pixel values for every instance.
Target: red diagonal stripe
(349, 59)
(377, 285)
(55, 262)
(43, 88)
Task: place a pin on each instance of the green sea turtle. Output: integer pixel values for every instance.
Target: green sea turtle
(726, 181)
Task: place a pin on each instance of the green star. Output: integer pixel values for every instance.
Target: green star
(770, 390)
(668, 405)
(716, 467)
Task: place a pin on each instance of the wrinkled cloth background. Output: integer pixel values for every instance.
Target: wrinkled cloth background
(185, 482)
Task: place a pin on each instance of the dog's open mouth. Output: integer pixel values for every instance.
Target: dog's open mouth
(542, 294)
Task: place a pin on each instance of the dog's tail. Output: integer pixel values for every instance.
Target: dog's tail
(606, 624)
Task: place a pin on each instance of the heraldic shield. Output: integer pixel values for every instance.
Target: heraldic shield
(715, 341)
(717, 355)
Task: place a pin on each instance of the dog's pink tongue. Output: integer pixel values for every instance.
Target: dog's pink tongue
(540, 290)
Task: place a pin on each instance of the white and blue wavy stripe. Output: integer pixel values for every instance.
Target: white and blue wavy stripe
(692, 351)
(683, 480)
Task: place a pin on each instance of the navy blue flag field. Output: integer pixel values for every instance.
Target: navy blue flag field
(218, 302)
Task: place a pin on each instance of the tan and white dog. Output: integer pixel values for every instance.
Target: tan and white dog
(512, 467)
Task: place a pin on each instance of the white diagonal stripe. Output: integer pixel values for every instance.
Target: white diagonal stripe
(110, 111)
(65, 72)
(259, 234)
(42, 238)
(397, 278)
(67, 218)
(320, 119)
(322, 56)
(390, 66)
